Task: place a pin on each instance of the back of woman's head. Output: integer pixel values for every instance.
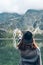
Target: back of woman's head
(27, 39)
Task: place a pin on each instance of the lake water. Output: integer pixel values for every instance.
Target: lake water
(9, 55)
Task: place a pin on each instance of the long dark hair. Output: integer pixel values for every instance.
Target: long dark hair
(23, 46)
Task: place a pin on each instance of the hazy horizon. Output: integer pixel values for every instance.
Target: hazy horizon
(20, 6)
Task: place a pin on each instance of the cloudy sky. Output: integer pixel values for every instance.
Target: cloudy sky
(20, 6)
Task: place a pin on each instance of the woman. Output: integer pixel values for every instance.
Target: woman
(29, 51)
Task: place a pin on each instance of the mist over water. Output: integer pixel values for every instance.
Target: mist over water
(17, 34)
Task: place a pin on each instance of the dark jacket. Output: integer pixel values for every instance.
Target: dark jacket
(30, 57)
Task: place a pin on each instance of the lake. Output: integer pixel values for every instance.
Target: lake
(9, 55)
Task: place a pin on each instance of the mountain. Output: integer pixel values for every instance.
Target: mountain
(34, 18)
(8, 19)
(30, 20)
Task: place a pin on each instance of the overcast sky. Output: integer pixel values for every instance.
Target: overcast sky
(20, 6)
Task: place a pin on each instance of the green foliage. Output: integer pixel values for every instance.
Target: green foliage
(4, 43)
(4, 34)
(38, 36)
(9, 56)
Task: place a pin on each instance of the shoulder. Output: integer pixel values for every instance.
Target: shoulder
(38, 51)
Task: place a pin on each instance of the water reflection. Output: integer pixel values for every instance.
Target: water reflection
(9, 55)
